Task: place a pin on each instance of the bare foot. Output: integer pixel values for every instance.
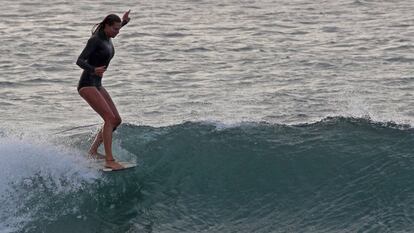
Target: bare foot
(113, 165)
(95, 155)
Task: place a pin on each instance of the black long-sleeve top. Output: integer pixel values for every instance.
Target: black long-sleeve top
(98, 52)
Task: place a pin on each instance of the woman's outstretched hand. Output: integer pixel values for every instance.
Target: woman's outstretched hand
(126, 16)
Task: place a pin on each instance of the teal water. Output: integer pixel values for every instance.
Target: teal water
(336, 175)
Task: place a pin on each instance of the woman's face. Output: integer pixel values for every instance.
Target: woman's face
(112, 31)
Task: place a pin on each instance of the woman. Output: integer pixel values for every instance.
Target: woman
(94, 61)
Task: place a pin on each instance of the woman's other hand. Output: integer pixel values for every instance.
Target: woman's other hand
(100, 70)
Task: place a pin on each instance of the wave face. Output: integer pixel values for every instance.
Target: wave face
(336, 175)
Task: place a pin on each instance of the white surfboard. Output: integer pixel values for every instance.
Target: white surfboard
(100, 165)
(125, 165)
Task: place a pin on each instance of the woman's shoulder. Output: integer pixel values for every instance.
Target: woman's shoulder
(94, 39)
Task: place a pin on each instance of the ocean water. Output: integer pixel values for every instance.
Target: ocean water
(244, 116)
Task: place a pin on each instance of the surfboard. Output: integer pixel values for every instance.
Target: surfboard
(100, 165)
(126, 165)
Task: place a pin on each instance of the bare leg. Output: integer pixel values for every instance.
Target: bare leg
(99, 138)
(93, 151)
(107, 140)
(96, 100)
(111, 104)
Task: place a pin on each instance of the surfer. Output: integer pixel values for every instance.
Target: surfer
(94, 61)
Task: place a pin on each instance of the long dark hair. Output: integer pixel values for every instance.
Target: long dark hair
(109, 19)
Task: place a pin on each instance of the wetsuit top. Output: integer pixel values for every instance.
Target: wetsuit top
(98, 52)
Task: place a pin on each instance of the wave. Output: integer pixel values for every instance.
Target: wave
(336, 175)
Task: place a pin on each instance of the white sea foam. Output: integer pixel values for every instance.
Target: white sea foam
(31, 168)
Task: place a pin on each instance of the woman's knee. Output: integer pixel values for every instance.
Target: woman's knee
(113, 121)
(118, 121)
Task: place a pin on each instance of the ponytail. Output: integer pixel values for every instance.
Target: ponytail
(97, 27)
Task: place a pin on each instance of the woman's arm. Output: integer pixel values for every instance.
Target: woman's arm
(125, 18)
(82, 61)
